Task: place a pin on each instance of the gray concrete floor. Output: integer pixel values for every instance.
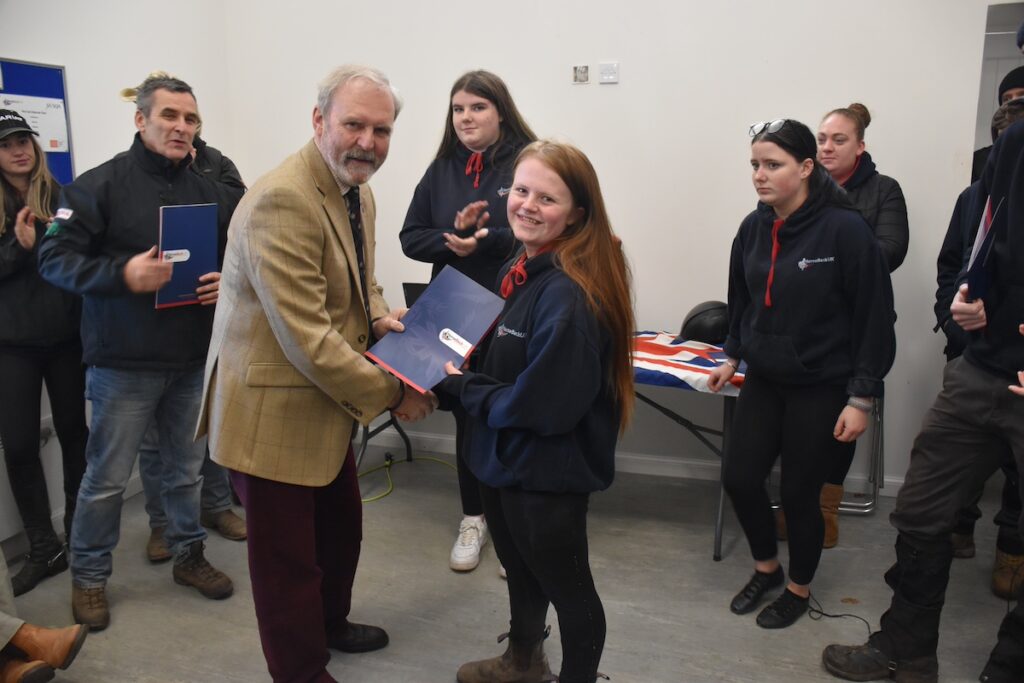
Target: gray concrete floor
(651, 538)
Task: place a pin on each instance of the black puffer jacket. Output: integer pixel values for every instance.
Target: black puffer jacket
(33, 313)
(879, 199)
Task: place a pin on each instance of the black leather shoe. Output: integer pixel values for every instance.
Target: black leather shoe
(786, 609)
(357, 638)
(868, 663)
(747, 600)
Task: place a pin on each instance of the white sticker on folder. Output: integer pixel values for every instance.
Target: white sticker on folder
(455, 342)
(177, 255)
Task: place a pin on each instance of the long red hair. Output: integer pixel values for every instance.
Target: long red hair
(591, 255)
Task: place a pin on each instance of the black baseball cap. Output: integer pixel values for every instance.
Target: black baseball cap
(12, 122)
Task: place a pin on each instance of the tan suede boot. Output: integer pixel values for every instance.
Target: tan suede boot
(521, 663)
(1007, 575)
(55, 646)
(19, 671)
(831, 497)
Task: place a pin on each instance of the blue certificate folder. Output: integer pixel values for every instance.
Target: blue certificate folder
(188, 239)
(445, 324)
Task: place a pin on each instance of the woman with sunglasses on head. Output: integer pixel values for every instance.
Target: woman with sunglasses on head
(879, 199)
(552, 393)
(39, 342)
(457, 218)
(811, 314)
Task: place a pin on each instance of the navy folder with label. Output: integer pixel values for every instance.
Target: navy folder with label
(446, 323)
(188, 239)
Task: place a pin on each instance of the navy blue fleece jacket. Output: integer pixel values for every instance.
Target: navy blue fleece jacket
(543, 415)
(445, 189)
(831, 314)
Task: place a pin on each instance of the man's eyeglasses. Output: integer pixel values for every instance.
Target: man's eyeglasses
(767, 127)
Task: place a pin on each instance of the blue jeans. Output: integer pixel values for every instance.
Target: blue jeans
(216, 494)
(124, 403)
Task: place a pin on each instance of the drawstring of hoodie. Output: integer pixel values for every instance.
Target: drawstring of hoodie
(475, 163)
(775, 252)
(516, 275)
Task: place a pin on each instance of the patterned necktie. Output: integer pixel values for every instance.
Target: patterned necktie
(355, 219)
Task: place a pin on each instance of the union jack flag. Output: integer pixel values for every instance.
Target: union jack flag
(660, 360)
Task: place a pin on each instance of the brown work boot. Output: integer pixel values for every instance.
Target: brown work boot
(831, 497)
(156, 547)
(1007, 575)
(226, 523)
(521, 663)
(55, 646)
(89, 607)
(195, 571)
(13, 670)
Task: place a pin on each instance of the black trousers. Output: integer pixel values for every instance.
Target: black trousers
(794, 423)
(974, 421)
(23, 371)
(469, 485)
(1009, 539)
(541, 540)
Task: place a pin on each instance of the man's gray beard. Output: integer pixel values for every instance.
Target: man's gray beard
(339, 171)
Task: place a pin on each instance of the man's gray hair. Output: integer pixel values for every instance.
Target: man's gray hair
(144, 93)
(342, 75)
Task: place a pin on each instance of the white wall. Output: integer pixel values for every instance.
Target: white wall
(669, 141)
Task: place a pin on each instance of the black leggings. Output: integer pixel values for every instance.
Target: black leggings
(541, 540)
(794, 423)
(23, 371)
(469, 485)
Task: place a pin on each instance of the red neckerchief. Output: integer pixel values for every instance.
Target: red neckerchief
(516, 275)
(775, 252)
(475, 163)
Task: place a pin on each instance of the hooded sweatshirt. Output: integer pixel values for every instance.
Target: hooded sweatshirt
(821, 309)
(449, 184)
(544, 417)
(999, 347)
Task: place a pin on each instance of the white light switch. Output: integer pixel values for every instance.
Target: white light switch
(608, 72)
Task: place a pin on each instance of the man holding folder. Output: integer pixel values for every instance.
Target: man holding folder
(287, 383)
(975, 420)
(143, 364)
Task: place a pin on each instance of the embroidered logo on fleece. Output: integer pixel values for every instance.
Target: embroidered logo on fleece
(502, 331)
(502, 191)
(806, 263)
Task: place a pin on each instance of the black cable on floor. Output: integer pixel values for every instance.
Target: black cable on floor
(815, 612)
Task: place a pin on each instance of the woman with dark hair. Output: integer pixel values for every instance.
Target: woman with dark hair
(553, 392)
(879, 199)
(39, 342)
(468, 183)
(811, 313)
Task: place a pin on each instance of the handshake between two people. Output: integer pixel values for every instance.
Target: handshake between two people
(409, 404)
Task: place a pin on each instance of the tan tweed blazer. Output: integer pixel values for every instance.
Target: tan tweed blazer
(285, 376)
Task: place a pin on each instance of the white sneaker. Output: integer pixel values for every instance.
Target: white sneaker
(466, 551)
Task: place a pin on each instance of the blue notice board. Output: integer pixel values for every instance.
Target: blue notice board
(38, 92)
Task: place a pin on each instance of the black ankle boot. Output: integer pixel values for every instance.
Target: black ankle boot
(760, 583)
(47, 557)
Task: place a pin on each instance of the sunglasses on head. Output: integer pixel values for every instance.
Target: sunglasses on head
(767, 127)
